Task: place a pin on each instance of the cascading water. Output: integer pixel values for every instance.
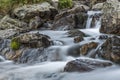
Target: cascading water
(52, 68)
(96, 16)
(1, 59)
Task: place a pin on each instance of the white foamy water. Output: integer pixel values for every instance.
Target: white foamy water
(2, 59)
(91, 14)
(53, 71)
(53, 68)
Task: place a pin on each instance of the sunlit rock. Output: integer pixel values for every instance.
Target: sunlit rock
(86, 48)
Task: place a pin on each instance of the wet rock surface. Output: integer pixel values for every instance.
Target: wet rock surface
(32, 45)
(70, 19)
(110, 49)
(86, 48)
(78, 39)
(74, 33)
(85, 65)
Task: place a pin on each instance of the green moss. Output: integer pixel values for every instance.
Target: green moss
(65, 4)
(15, 44)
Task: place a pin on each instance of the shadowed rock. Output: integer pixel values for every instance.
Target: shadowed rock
(85, 65)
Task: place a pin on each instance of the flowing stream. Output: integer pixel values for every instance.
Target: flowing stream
(52, 69)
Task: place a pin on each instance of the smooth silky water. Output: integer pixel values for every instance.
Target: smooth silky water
(52, 69)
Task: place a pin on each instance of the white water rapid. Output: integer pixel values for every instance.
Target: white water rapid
(53, 70)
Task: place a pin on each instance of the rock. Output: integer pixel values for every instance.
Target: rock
(97, 6)
(111, 18)
(55, 3)
(74, 33)
(29, 17)
(8, 33)
(70, 19)
(4, 46)
(46, 25)
(34, 55)
(1, 16)
(27, 55)
(86, 48)
(78, 39)
(35, 23)
(90, 3)
(103, 37)
(79, 4)
(85, 65)
(9, 23)
(33, 47)
(34, 40)
(110, 49)
(43, 10)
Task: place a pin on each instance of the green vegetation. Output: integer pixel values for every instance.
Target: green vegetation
(15, 44)
(65, 4)
(7, 5)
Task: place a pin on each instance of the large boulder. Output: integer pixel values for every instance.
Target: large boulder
(70, 19)
(29, 17)
(110, 49)
(33, 40)
(9, 23)
(43, 10)
(85, 65)
(111, 17)
(31, 47)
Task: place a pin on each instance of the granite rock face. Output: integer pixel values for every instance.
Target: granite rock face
(111, 17)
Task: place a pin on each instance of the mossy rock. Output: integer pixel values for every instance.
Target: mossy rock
(65, 4)
(15, 44)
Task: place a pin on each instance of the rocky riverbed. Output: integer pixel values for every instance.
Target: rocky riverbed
(42, 42)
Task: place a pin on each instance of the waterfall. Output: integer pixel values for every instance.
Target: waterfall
(1, 59)
(93, 17)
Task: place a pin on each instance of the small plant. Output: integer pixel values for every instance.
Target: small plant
(65, 4)
(15, 44)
